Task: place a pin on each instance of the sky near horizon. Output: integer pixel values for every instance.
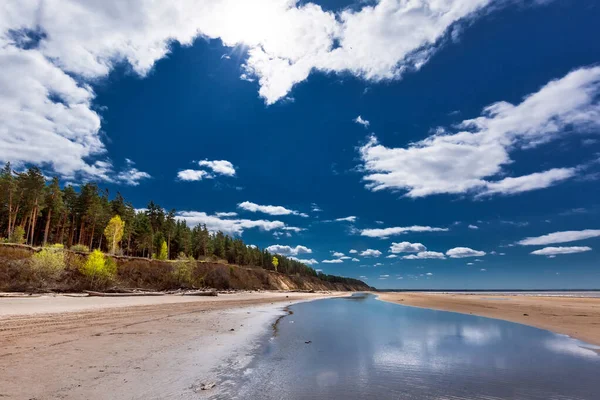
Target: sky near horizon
(409, 143)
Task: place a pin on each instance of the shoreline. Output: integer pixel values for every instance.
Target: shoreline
(577, 317)
(138, 347)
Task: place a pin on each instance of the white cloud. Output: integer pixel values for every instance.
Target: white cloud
(553, 251)
(310, 261)
(285, 40)
(359, 120)
(351, 218)
(538, 180)
(337, 254)
(560, 237)
(407, 247)
(392, 256)
(229, 226)
(470, 263)
(131, 176)
(377, 264)
(483, 269)
(315, 208)
(192, 175)
(293, 229)
(271, 210)
(355, 260)
(370, 253)
(287, 250)
(335, 261)
(482, 149)
(386, 232)
(226, 214)
(384, 276)
(429, 274)
(462, 252)
(221, 167)
(353, 251)
(473, 227)
(423, 255)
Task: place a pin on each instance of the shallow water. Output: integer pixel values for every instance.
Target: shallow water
(361, 347)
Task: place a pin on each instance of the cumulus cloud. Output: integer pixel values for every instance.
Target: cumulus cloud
(407, 247)
(226, 214)
(229, 226)
(359, 120)
(334, 261)
(271, 210)
(287, 250)
(473, 227)
(285, 42)
(309, 261)
(423, 255)
(351, 218)
(315, 208)
(560, 237)
(429, 274)
(220, 167)
(392, 256)
(471, 160)
(353, 251)
(337, 254)
(355, 260)
(383, 233)
(131, 176)
(192, 175)
(463, 252)
(370, 253)
(553, 251)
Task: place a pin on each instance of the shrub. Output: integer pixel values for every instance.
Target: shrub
(17, 235)
(48, 264)
(182, 270)
(56, 246)
(99, 269)
(80, 247)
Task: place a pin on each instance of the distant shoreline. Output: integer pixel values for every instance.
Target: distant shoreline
(569, 315)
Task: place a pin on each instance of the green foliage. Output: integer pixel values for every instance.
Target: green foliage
(17, 236)
(49, 263)
(99, 268)
(56, 246)
(162, 255)
(80, 247)
(114, 232)
(183, 269)
(40, 212)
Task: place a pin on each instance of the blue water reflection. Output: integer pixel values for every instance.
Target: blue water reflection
(365, 348)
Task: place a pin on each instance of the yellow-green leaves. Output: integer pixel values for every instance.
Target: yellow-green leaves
(114, 232)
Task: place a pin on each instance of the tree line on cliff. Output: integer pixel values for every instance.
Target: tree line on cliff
(36, 212)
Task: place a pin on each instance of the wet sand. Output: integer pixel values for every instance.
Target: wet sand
(129, 348)
(576, 317)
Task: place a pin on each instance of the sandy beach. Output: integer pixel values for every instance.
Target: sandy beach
(129, 348)
(574, 316)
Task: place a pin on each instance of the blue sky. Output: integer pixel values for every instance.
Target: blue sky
(478, 127)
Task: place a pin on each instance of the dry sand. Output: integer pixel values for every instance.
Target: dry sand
(129, 348)
(573, 316)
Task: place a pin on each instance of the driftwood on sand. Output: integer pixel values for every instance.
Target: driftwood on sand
(103, 294)
(145, 293)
